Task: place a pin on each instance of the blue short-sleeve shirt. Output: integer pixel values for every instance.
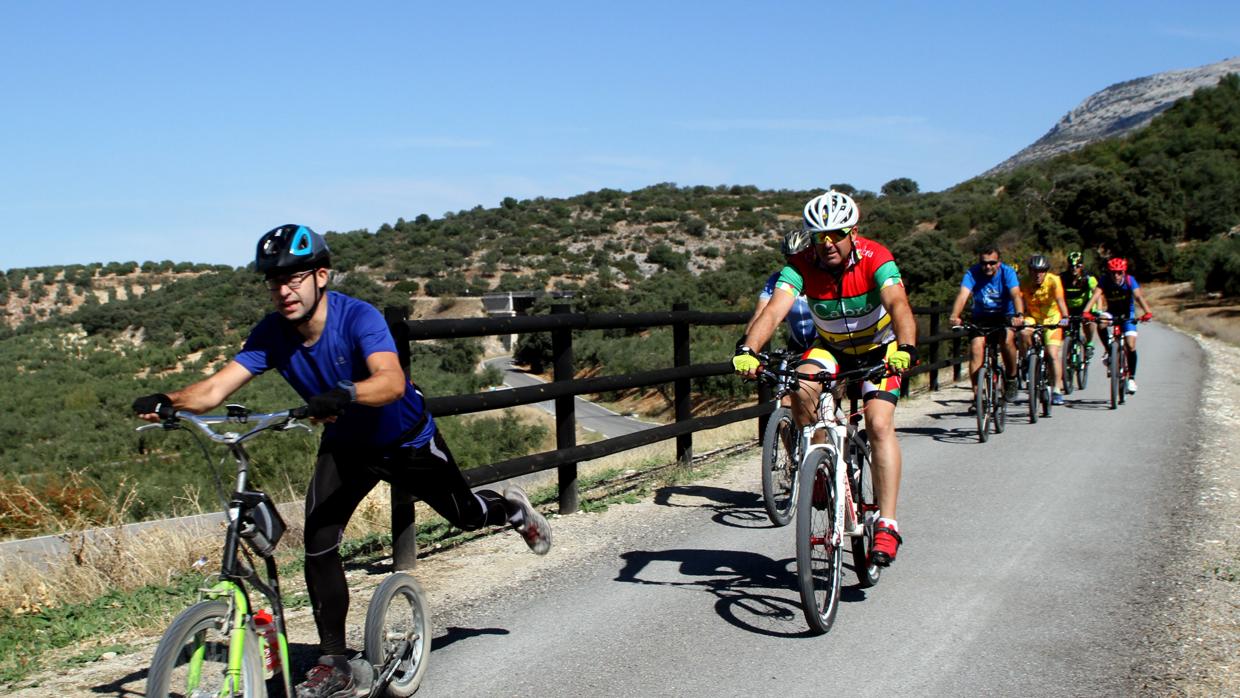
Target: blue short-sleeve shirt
(354, 330)
(800, 320)
(991, 295)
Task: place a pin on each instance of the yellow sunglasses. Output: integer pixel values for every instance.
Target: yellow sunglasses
(832, 236)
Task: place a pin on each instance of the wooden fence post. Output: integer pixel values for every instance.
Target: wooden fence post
(565, 411)
(682, 386)
(404, 523)
(934, 349)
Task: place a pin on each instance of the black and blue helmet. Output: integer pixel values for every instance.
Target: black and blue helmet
(289, 249)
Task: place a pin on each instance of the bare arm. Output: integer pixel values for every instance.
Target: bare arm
(895, 300)
(1059, 300)
(386, 383)
(1018, 299)
(1145, 307)
(1096, 300)
(763, 326)
(958, 304)
(757, 310)
(209, 392)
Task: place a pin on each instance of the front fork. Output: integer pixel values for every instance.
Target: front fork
(847, 520)
(240, 605)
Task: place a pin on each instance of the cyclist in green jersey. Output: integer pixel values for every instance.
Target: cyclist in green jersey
(1078, 288)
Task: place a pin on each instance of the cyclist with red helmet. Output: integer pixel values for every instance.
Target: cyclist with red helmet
(1121, 294)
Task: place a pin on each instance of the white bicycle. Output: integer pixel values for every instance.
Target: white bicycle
(835, 498)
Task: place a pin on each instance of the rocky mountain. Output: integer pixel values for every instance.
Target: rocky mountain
(1119, 109)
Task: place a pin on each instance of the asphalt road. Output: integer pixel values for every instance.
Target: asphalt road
(1027, 568)
(589, 415)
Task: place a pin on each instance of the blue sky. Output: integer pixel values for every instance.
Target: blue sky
(135, 131)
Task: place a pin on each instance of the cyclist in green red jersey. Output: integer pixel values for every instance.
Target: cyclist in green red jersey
(863, 317)
(1078, 289)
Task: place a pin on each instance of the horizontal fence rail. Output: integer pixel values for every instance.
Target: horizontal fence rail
(561, 323)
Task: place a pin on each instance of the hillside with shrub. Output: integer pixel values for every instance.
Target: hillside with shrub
(82, 341)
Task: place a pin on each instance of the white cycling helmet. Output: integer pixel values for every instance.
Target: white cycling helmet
(794, 241)
(830, 211)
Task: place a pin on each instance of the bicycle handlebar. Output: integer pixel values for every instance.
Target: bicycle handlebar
(236, 414)
(871, 373)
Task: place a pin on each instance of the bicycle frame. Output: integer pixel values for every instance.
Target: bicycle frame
(234, 575)
(840, 430)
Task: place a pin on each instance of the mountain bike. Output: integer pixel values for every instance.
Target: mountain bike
(780, 444)
(1075, 356)
(214, 647)
(988, 403)
(835, 499)
(1111, 329)
(1039, 381)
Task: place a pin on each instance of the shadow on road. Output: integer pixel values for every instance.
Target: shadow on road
(957, 435)
(117, 687)
(1089, 405)
(455, 634)
(753, 592)
(732, 508)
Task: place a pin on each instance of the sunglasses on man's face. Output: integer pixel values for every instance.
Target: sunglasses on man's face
(832, 236)
(990, 262)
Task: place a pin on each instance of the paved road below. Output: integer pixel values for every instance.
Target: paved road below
(1026, 571)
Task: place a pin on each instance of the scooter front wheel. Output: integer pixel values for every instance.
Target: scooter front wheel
(398, 634)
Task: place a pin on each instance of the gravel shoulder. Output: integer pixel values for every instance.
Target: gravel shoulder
(1189, 646)
(1192, 643)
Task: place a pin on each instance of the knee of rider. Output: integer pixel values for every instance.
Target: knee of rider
(322, 540)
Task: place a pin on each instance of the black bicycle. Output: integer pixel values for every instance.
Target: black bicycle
(780, 442)
(1038, 379)
(217, 646)
(989, 404)
(1075, 356)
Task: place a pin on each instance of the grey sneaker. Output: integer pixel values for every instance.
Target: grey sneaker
(1009, 389)
(1132, 386)
(332, 677)
(533, 527)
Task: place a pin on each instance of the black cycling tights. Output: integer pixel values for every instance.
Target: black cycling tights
(1132, 364)
(342, 479)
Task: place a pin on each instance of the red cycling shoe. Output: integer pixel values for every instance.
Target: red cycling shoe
(886, 542)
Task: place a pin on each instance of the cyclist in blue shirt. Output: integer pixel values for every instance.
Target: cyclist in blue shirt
(997, 302)
(801, 330)
(337, 353)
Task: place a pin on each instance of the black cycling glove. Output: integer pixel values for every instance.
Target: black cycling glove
(158, 403)
(329, 404)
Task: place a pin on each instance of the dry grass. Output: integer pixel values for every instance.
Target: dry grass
(1177, 305)
(113, 559)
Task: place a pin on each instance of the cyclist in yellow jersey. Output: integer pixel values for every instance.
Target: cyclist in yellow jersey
(1045, 305)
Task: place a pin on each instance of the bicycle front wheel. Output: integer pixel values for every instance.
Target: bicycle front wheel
(1112, 362)
(192, 657)
(981, 401)
(866, 504)
(1034, 387)
(779, 466)
(1082, 367)
(1070, 360)
(1046, 383)
(398, 633)
(998, 398)
(819, 557)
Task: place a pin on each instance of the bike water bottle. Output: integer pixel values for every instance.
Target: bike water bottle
(265, 625)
